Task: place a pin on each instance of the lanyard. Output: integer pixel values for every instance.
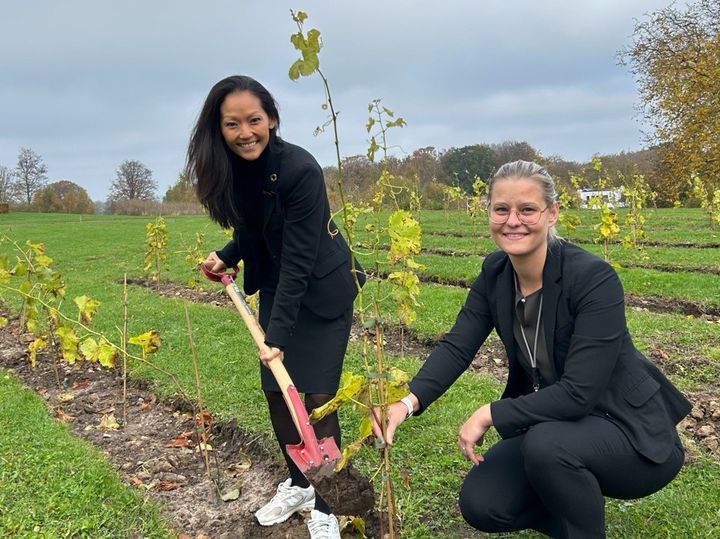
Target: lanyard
(533, 354)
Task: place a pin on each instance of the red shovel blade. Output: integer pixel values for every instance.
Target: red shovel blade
(308, 458)
(310, 453)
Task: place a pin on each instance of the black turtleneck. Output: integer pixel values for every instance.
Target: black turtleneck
(248, 178)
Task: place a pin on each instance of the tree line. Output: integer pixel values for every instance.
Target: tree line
(133, 190)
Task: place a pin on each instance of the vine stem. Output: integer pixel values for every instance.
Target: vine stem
(202, 446)
(124, 348)
(142, 360)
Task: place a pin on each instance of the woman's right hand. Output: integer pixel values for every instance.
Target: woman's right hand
(213, 263)
(397, 412)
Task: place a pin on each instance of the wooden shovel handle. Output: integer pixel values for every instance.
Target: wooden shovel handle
(276, 365)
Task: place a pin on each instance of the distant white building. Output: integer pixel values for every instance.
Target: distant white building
(613, 197)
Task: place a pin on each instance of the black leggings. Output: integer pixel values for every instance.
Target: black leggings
(553, 479)
(286, 433)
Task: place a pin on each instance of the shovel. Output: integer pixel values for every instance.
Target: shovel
(310, 454)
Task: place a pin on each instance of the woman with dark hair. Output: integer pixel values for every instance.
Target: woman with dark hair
(272, 194)
(584, 415)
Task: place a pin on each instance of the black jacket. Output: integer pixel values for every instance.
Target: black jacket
(598, 369)
(310, 256)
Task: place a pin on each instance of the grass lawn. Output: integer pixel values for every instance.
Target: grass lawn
(93, 253)
(55, 485)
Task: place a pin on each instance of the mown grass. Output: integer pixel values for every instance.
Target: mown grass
(93, 253)
(55, 485)
(674, 257)
(667, 225)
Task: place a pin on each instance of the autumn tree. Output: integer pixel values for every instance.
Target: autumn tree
(6, 184)
(182, 191)
(423, 163)
(133, 181)
(675, 57)
(63, 197)
(30, 174)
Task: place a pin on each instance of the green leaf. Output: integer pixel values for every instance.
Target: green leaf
(19, 270)
(294, 72)
(299, 16)
(313, 41)
(298, 41)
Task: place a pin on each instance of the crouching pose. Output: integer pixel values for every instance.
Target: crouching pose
(583, 415)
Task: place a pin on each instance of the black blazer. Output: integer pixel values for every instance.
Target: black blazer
(598, 369)
(310, 256)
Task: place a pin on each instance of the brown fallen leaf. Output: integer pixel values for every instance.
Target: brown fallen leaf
(165, 485)
(61, 415)
(80, 384)
(135, 481)
(181, 441)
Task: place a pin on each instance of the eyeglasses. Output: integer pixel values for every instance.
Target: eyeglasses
(527, 215)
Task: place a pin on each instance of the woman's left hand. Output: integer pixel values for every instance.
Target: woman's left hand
(473, 431)
(268, 353)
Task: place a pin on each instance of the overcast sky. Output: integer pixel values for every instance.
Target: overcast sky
(89, 83)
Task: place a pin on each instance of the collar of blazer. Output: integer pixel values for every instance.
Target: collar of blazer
(505, 300)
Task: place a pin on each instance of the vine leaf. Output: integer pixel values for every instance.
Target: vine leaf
(37, 344)
(88, 307)
(68, 344)
(150, 341)
(101, 352)
(350, 385)
(364, 430)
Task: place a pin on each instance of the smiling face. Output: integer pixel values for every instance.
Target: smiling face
(524, 196)
(245, 125)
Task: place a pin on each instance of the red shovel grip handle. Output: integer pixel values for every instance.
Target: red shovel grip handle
(223, 277)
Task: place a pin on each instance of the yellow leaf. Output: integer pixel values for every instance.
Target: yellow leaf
(150, 341)
(350, 384)
(3, 321)
(87, 307)
(66, 397)
(230, 495)
(89, 348)
(108, 422)
(34, 346)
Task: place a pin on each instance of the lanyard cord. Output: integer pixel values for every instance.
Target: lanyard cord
(533, 355)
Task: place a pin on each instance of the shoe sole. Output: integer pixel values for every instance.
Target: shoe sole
(307, 506)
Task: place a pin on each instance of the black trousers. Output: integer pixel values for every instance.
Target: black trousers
(554, 478)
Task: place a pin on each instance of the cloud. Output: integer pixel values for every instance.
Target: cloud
(87, 84)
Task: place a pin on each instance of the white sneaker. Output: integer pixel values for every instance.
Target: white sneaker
(287, 501)
(322, 526)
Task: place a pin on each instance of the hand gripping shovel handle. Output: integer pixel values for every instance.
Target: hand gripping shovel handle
(309, 453)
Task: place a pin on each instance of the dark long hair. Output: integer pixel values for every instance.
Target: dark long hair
(208, 157)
